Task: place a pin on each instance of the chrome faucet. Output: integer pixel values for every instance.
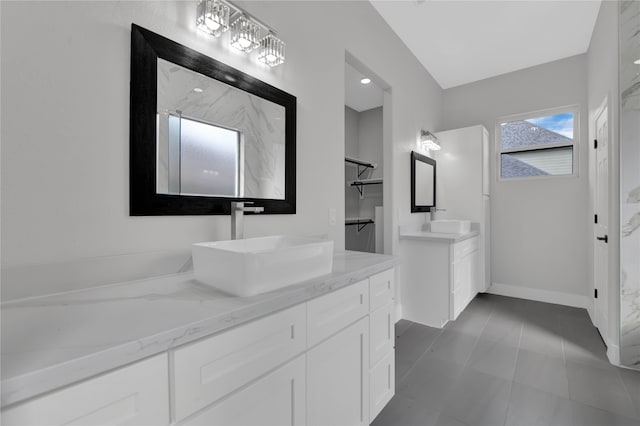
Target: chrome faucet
(433, 210)
(237, 217)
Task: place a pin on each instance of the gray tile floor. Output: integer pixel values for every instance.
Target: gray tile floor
(509, 361)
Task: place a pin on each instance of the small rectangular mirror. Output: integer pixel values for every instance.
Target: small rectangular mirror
(423, 183)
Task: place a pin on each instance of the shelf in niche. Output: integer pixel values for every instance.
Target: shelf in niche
(361, 222)
(359, 184)
(362, 165)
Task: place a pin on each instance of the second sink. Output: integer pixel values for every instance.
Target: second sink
(451, 226)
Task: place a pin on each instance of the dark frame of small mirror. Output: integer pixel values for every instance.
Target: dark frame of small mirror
(146, 48)
(422, 158)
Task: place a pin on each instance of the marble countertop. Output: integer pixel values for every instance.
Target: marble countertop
(55, 340)
(436, 236)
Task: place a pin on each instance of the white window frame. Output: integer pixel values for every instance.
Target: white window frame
(575, 109)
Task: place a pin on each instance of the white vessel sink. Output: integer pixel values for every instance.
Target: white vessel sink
(256, 265)
(451, 226)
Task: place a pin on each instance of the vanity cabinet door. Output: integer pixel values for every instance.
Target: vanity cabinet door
(274, 400)
(465, 275)
(382, 335)
(134, 395)
(338, 378)
(382, 384)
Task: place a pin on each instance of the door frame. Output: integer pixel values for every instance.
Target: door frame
(602, 323)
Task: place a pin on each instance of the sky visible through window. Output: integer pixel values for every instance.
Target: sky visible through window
(559, 123)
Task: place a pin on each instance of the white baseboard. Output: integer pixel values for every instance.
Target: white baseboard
(539, 295)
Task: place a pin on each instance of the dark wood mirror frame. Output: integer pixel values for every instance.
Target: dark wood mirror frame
(146, 48)
(423, 158)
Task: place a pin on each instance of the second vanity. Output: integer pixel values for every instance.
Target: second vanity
(439, 274)
(169, 350)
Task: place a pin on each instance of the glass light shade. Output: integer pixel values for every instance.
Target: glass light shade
(429, 141)
(212, 17)
(244, 34)
(271, 50)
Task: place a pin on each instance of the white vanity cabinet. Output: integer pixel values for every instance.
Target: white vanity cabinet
(381, 342)
(440, 278)
(327, 361)
(137, 394)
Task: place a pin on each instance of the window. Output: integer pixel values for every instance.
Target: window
(538, 144)
(204, 158)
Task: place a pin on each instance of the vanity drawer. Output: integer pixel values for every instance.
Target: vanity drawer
(134, 395)
(381, 333)
(279, 398)
(465, 248)
(330, 313)
(207, 370)
(381, 289)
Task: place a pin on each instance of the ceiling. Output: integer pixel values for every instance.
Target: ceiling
(459, 42)
(358, 96)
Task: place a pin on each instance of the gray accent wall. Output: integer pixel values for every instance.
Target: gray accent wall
(539, 225)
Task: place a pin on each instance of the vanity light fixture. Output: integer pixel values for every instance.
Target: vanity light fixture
(271, 50)
(365, 80)
(244, 34)
(247, 32)
(637, 61)
(429, 140)
(212, 17)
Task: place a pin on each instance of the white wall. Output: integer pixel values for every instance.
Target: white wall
(65, 121)
(539, 226)
(602, 70)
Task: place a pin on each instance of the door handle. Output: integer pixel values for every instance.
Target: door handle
(605, 238)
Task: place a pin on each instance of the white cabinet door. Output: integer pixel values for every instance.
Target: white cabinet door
(133, 395)
(461, 283)
(382, 384)
(338, 378)
(274, 400)
(381, 332)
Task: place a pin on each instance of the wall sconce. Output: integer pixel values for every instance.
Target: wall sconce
(247, 33)
(429, 141)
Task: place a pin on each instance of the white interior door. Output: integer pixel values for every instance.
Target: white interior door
(601, 237)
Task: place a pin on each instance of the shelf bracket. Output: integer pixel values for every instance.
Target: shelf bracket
(364, 169)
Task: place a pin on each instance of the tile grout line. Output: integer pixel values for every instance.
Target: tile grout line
(413, 365)
(513, 377)
(477, 340)
(469, 359)
(624, 384)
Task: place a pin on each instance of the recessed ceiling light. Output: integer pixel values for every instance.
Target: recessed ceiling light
(637, 61)
(197, 90)
(365, 80)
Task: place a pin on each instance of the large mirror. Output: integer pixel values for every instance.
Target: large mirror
(423, 183)
(204, 134)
